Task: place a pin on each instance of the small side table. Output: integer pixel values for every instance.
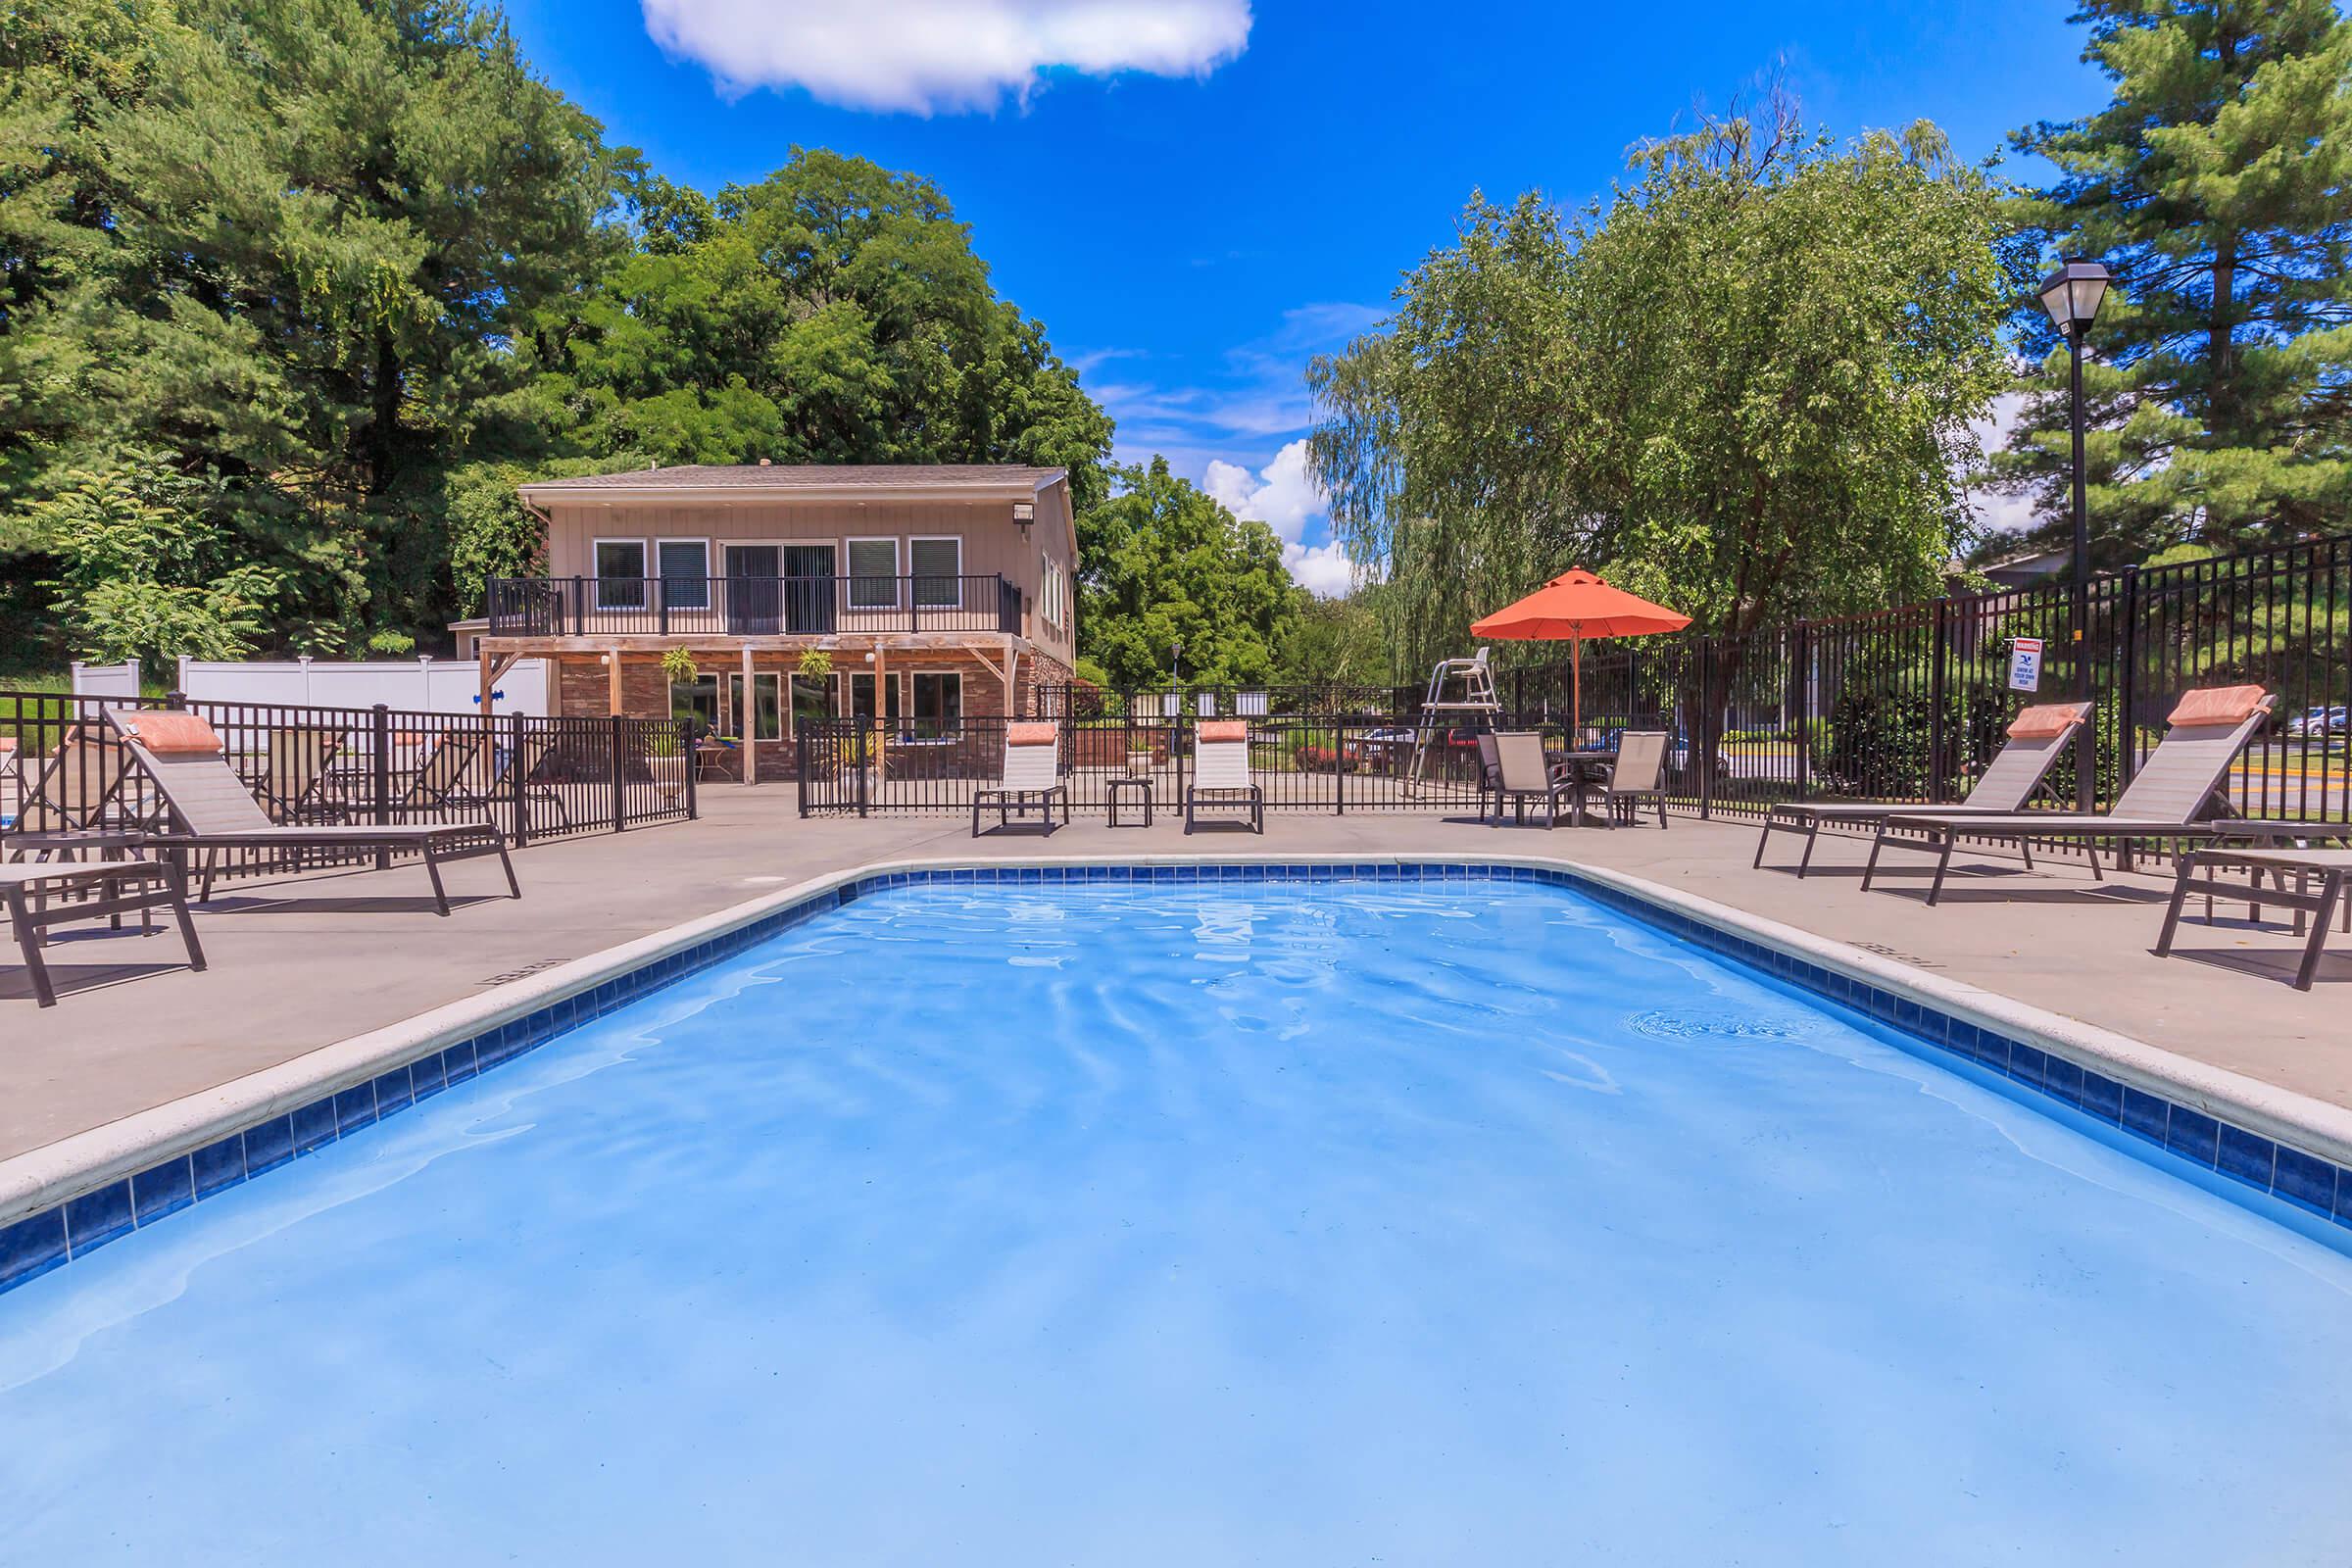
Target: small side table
(68, 844)
(1141, 789)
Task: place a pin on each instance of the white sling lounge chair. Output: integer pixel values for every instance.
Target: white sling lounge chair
(213, 810)
(2038, 737)
(1221, 772)
(2169, 796)
(1032, 778)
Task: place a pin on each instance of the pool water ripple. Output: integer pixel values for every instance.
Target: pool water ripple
(1272, 1223)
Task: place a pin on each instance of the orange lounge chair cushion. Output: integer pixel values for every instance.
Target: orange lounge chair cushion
(1225, 729)
(1031, 734)
(2218, 704)
(2043, 720)
(168, 734)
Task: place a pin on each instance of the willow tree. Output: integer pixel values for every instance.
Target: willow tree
(1742, 386)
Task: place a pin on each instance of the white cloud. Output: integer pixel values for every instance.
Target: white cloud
(1282, 495)
(1323, 570)
(1285, 497)
(927, 56)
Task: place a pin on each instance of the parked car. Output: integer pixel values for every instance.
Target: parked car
(2327, 721)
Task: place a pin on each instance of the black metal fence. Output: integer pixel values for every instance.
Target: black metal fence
(1303, 762)
(1909, 704)
(1905, 705)
(534, 779)
(748, 607)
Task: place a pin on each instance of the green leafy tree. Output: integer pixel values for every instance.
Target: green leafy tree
(1338, 642)
(832, 312)
(303, 236)
(146, 569)
(2217, 186)
(1740, 386)
(1162, 564)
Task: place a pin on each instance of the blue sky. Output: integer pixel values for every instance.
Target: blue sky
(1196, 195)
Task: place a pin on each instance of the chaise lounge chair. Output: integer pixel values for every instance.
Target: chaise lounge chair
(2038, 737)
(1524, 773)
(30, 916)
(1032, 777)
(1221, 772)
(79, 787)
(213, 810)
(2168, 798)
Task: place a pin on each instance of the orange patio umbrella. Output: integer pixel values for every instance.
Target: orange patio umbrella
(1572, 606)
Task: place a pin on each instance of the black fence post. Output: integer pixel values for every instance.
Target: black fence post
(620, 799)
(518, 769)
(1339, 767)
(1695, 735)
(686, 758)
(1938, 678)
(2127, 685)
(799, 766)
(859, 755)
(381, 774)
(1801, 675)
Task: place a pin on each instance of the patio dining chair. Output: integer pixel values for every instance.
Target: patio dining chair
(1637, 778)
(1524, 773)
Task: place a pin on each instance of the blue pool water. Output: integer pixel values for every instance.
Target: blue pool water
(1255, 1223)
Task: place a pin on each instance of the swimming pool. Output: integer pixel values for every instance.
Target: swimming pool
(1278, 1221)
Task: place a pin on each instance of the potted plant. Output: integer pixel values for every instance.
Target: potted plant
(664, 749)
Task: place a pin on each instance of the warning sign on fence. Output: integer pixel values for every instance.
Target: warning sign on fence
(2025, 664)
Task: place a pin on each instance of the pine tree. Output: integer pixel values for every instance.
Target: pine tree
(2217, 186)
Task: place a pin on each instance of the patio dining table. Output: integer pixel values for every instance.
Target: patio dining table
(1584, 768)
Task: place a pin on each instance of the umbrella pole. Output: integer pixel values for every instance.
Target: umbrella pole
(1575, 692)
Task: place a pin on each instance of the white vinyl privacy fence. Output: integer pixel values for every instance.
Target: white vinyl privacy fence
(410, 685)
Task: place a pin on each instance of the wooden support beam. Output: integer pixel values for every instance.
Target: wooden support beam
(612, 680)
(747, 722)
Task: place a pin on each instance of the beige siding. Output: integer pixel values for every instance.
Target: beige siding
(993, 544)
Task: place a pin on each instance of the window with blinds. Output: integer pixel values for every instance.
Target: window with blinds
(938, 568)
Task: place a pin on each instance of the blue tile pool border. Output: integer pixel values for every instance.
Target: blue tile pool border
(51, 1238)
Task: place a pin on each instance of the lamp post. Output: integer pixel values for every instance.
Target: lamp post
(2072, 295)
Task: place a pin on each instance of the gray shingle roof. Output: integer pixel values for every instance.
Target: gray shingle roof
(812, 476)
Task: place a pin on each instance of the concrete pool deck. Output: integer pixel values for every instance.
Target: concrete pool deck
(302, 962)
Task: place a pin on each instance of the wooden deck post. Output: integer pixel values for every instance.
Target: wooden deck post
(749, 722)
(612, 680)
(881, 704)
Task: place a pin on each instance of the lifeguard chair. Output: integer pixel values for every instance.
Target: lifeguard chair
(1461, 691)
